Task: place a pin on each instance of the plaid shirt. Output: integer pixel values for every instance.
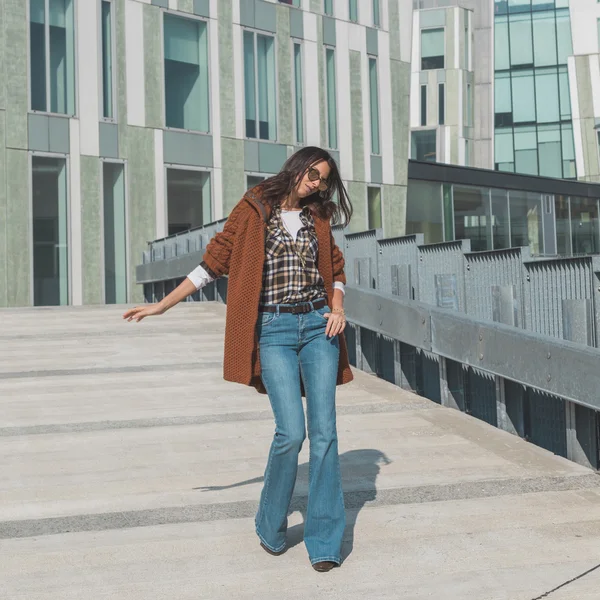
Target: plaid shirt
(290, 274)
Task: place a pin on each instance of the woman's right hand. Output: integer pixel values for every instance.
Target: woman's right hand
(139, 312)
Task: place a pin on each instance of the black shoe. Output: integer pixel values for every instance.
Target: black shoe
(324, 566)
(271, 552)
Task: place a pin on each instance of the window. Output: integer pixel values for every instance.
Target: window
(186, 73)
(115, 237)
(441, 104)
(376, 14)
(298, 94)
(424, 210)
(52, 56)
(423, 105)
(423, 145)
(432, 49)
(253, 180)
(328, 7)
(353, 10)
(331, 98)
(290, 2)
(374, 207)
(374, 104)
(50, 231)
(469, 106)
(107, 60)
(188, 199)
(472, 219)
(526, 221)
(259, 86)
(584, 226)
(467, 43)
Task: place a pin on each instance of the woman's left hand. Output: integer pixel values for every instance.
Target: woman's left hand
(336, 323)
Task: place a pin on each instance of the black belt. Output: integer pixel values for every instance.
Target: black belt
(295, 309)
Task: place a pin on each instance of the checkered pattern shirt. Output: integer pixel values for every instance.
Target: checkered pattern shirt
(290, 273)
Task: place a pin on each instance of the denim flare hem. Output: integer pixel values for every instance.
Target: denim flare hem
(335, 559)
(265, 543)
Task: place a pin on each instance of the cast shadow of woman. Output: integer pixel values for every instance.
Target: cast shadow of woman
(360, 469)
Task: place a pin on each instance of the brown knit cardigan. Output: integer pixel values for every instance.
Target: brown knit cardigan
(239, 251)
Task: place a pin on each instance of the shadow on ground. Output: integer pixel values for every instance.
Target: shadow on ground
(359, 466)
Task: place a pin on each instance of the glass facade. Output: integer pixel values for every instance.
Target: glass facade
(115, 236)
(259, 86)
(494, 218)
(52, 56)
(50, 231)
(186, 73)
(353, 10)
(533, 123)
(188, 199)
(328, 7)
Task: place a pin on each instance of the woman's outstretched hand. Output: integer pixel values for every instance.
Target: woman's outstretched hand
(336, 323)
(139, 312)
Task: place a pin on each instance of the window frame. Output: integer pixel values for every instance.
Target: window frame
(179, 167)
(273, 36)
(378, 186)
(206, 21)
(47, 62)
(373, 58)
(327, 48)
(31, 154)
(298, 42)
(128, 282)
(113, 49)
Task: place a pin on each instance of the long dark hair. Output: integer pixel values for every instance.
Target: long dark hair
(275, 189)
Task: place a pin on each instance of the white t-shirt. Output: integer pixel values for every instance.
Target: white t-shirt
(291, 220)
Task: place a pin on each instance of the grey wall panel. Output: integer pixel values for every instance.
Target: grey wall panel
(18, 226)
(121, 77)
(271, 157)
(356, 114)
(202, 8)
(3, 233)
(432, 18)
(188, 149)
(91, 240)
(251, 156)
(372, 41)
(246, 12)
(265, 16)
(38, 132)
(296, 23)
(15, 77)
(58, 134)
(109, 140)
(286, 128)
(376, 169)
(329, 31)
(153, 68)
(226, 82)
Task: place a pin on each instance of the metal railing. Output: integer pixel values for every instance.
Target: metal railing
(505, 337)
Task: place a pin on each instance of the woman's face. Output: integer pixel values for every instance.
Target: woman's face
(315, 179)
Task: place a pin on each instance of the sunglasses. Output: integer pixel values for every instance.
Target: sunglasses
(313, 175)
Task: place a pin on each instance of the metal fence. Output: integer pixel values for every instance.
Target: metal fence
(503, 336)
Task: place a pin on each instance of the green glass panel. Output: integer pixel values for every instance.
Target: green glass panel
(107, 61)
(298, 94)
(331, 98)
(374, 104)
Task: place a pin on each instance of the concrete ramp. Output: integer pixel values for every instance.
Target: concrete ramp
(130, 470)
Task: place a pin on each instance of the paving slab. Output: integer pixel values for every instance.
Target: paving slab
(130, 469)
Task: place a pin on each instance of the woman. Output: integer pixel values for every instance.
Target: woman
(283, 335)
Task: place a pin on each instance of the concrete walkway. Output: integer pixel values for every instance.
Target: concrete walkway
(130, 470)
